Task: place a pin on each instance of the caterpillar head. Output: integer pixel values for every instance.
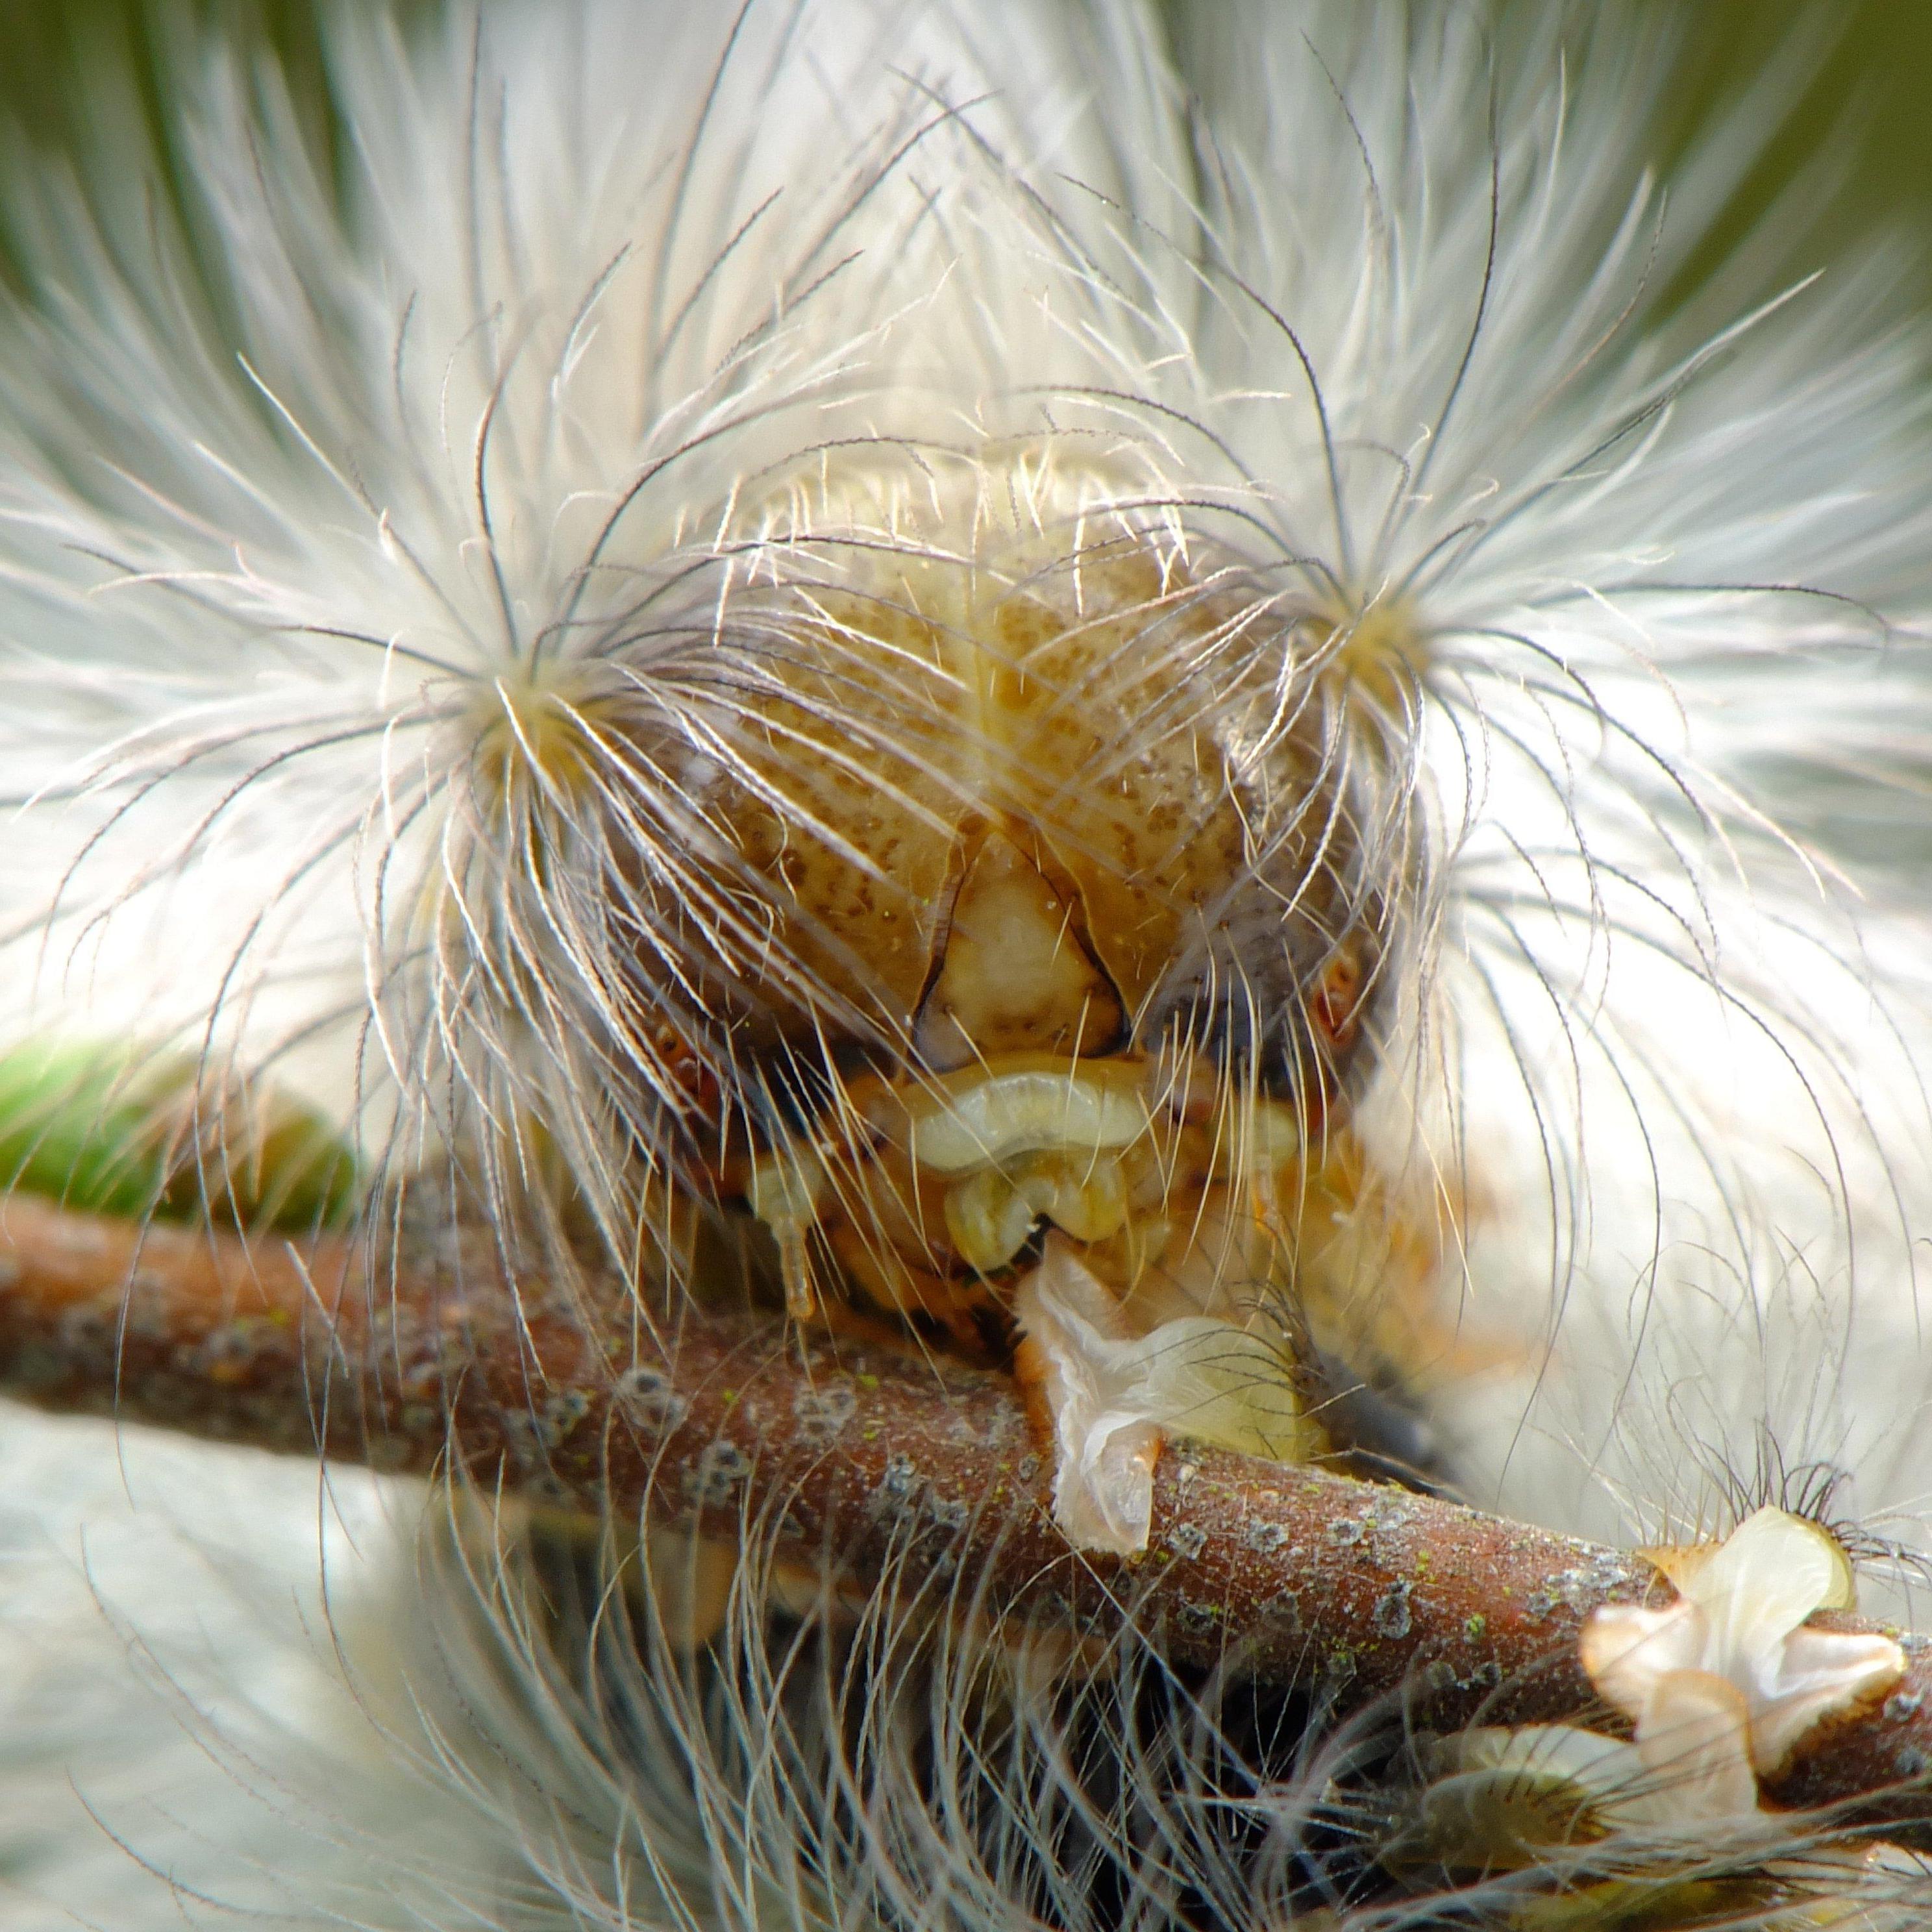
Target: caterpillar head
(967, 854)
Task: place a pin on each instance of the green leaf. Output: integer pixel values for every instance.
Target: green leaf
(122, 1130)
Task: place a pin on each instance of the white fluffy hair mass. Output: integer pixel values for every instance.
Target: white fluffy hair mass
(403, 511)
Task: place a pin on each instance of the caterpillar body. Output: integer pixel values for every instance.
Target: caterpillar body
(1095, 699)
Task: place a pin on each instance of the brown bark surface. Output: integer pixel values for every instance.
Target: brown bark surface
(867, 1457)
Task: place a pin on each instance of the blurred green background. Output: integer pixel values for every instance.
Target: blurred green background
(1864, 113)
(1863, 106)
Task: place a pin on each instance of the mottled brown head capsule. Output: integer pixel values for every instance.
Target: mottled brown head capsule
(998, 864)
(987, 759)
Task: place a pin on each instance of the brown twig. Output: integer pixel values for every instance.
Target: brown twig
(888, 1459)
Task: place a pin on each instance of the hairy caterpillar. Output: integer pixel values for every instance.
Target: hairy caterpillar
(1111, 704)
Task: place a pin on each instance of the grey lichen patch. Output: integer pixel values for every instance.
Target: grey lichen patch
(1003, 1428)
(949, 1512)
(95, 1324)
(721, 1469)
(1187, 1540)
(1904, 1704)
(1578, 1590)
(897, 1485)
(1395, 1513)
(139, 1312)
(1265, 1538)
(822, 1410)
(1281, 1614)
(532, 1434)
(453, 1357)
(522, 1436)
(1910, 1761)
(1198, 1619)
(562, 1413)
(1391, 1616)
(647, 1395)
(1028, 1469)
(225, 1354)
(1440, 1677)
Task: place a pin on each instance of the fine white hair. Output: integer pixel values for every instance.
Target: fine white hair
(338, 462)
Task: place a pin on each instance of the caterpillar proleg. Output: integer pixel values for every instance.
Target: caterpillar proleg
(937, 846)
